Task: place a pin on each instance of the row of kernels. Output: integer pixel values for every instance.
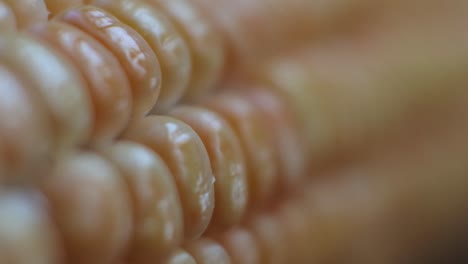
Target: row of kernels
(61, 97)
(190, 53)
(146, 194)
(332, 223)
(59, 114)
(99, 74)
(191, 62)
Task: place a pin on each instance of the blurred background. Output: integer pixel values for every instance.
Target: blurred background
(384, 99)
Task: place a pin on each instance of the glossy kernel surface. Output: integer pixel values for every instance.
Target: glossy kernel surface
(227, 162)
(158, 221)
(205, 45)
(107, 83)
(255, 140)
(186, 156)
(135, 55)
(166, 42)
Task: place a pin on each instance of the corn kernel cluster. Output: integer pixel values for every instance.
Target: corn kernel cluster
(127, 136)
(120, 151)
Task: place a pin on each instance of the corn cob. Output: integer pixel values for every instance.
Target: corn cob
(142, 189)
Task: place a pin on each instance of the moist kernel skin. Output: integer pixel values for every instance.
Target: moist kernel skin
(107, 83)
(168, 45)
(27, 233)
(24, 123)
(205, 45)
(207, 251)
(256, 143)
(227, 162)
(135, 55)
(59, 86)
(91, 207)
(186, 156)
(158, 219)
